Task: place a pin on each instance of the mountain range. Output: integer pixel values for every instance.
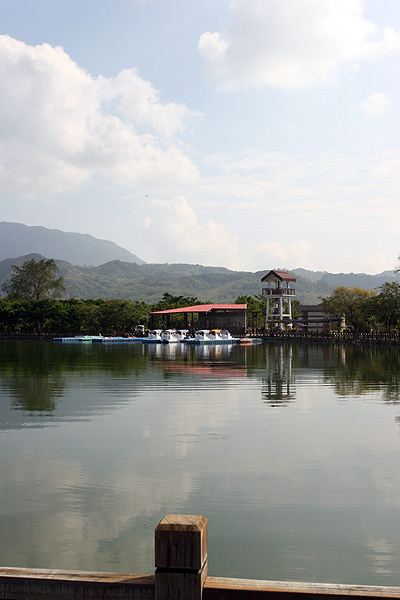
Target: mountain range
(123, 275)
(17, 239)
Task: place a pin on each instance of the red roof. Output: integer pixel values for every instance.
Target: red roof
(201, 308)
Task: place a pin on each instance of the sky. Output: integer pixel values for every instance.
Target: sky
(249, 134)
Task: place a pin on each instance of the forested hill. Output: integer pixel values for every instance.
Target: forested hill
(17, 239)
(361, 280)
(148, 282)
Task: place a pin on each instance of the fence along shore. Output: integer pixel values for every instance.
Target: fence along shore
(334, 337)
(290, 335)
(181, 565)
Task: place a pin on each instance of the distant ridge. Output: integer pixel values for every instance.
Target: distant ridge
(81, 249)
(361, 280)
(94, 268)
(148, 282)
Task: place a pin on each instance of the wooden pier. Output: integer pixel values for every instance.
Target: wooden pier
(181, 563)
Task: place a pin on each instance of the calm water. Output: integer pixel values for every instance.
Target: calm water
(291, 452)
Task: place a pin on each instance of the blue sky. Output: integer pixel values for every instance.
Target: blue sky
(251, 134)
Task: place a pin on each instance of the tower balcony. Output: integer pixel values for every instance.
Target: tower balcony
(278, 292)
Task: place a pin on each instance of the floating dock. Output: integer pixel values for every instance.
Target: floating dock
(211, 342)
(145, 340)
(231, 341)
(119, 340)
(78, 338)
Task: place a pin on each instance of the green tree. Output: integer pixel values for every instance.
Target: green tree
(351, 303)
(117, 315)
(91, 314)
(169, 301)
(34, 280)
(141, 312)
(256, 306)
(254, 303)
(386, 305)
(12, 315)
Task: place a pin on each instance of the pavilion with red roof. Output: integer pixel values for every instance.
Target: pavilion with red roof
(208, 316)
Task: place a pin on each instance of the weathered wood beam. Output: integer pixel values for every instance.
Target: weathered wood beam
(218, 588)
(40, 584)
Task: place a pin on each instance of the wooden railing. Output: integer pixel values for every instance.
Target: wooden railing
(328, 336)
(181, 574)
(282, 291)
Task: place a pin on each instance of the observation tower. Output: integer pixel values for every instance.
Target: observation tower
(276, 287)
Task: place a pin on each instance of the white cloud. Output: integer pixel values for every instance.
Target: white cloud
(297, 211)
(376, 104)
(293, 255)
(292, 44)
(177, 234)
(61, 127)
(387, 172)
(373, 263)
(146, 222)
(139, 103)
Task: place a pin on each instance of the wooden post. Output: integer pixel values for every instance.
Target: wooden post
(180, 557)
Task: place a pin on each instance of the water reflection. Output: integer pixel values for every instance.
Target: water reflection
(352, 371)
(107, 439)
(32, 379)
(364, 369)
(37, 375)
(278, 386)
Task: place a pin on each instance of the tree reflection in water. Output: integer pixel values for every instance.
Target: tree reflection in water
(28, 371)
(362, 370)
(35, 373)
(350, 370)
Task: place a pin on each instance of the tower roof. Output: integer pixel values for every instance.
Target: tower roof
(281, 275)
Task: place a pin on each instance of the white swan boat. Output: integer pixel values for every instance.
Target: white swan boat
(154, 336)
(215, 335)
(203, 335)
(181, 334)
(219, 334)
(168, 336)
(225, 335)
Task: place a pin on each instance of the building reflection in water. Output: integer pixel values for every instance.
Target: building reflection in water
(278, 384)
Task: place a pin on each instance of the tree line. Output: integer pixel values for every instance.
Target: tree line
(74, 316)
(33, 304)
(366, 310)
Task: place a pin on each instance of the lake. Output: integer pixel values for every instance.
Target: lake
(292, 452)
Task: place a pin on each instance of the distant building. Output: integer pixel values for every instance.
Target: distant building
(314, 318)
